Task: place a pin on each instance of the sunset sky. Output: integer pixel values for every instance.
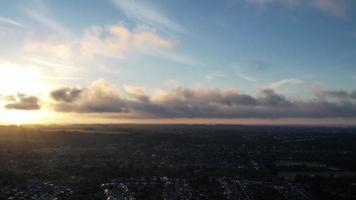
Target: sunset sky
(170, 61)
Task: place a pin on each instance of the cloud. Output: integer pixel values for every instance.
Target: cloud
(337, 8)
(183, 102)
(67, 78)
(245, 77)
(278, 84)
(354, 77)
(115, 41)
(142, 12)
(99, 97)
(214, 103)
(262, 2)
(66, 94)
(335, 95)
(214, 75)
(11, 22)
(269, 97)
(119, 41)
(22, 102)
(47, 21)
(242, 75)
(136, 92)
(47, 63)
(50, 47)
(259, 65)
(178, 57)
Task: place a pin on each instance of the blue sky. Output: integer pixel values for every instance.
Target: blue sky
(288, 46)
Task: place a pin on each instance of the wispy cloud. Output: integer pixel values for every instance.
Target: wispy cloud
(62, 78)
(262, 2)
(214, 75)
(178, 57)
(10, 22)
(114, 41)
(243, 75)
(173, 83)
(52, 47)
(281, 83)
(247, 78)
(337, 8)
(118, 41)
(148, 14)
(354, 77)
(41, 13)
(48, 22)
(52, 64)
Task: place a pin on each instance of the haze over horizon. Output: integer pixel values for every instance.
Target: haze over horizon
(156, 61)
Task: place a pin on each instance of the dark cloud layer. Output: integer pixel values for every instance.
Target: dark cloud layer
(101, 97)
(66, 94)
(335, 94)
(22, 102)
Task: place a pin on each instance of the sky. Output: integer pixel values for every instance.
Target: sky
(167, 61)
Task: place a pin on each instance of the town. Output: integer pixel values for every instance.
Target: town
(177, 162)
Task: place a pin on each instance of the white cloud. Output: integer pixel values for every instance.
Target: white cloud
(278, 84)
(136, 93)
(134, 90)
(48, 22)
(247, 78)
(243, 75)
(50, 47)
(214, 75)
(101, 96)
(173, 83)
(178, 57)
(10, 22)
(40, 13)
(49, 63)
(62, 78)
(116, 41)
(142, 12)
(119, 41)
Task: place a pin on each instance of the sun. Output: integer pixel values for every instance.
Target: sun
(16, 78)
(25, 117)
(26, 79)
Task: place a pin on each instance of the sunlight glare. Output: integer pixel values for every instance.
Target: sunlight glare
(15, 78)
